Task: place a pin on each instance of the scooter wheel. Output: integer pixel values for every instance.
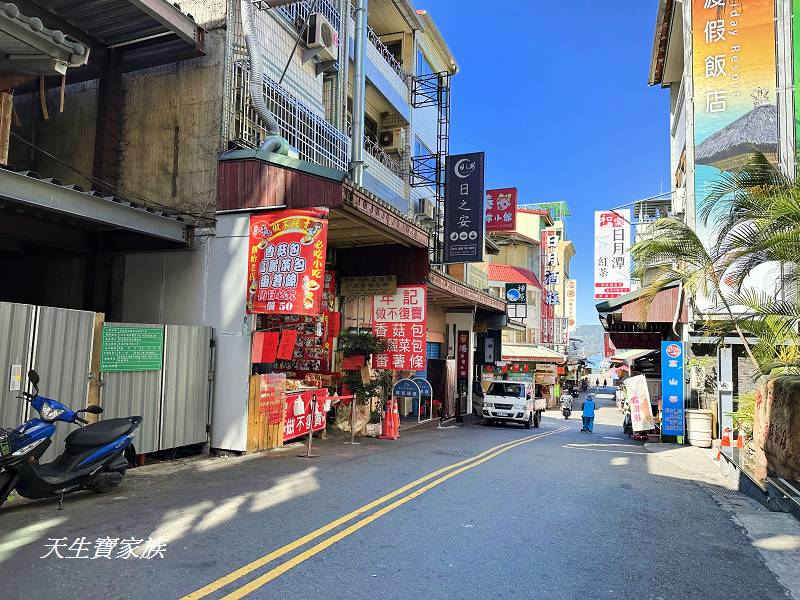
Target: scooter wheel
(106, 482)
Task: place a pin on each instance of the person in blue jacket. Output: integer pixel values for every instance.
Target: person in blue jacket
(588, 414)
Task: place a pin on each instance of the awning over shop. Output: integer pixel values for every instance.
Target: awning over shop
(531, 353)
(47, 212)
(447, 292)
(630, 308)
(628, 356)
(512, 274)
(139, 33)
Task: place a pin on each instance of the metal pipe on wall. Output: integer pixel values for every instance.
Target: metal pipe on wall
(359, 93)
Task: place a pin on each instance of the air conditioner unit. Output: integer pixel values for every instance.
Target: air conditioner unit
(393, 140)
(322, 37)
(679, 201)
(425, 211)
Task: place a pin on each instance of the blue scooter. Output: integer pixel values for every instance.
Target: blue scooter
(95, 456)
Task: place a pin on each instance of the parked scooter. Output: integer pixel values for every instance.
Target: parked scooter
(566, 406)
(627, 421)
(95, 456)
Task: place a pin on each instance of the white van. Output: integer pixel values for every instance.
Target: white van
(512, 402)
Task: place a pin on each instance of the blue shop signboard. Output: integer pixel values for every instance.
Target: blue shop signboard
(672, 388)
(405, 388)
(424, 387)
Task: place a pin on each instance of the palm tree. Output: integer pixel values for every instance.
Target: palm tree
(673, 254)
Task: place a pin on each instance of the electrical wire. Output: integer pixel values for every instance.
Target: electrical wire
(311, 11)
(117, 191)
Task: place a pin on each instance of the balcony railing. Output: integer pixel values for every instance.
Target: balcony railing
(316, 140)
(375, 40)
(395, 166)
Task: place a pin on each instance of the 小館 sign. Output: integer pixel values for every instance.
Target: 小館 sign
(672, 388)
(286, 261)
(131, 348)
(612, 257)
(501, 209)
(464, 226)
(401, 318)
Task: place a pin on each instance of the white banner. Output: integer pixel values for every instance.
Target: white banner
(572, 304)
(639, 401)
(612, 258)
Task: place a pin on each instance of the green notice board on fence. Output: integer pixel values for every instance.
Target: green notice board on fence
(131, 348)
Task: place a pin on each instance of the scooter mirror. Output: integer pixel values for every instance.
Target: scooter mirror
(33, 377)
(94, 409)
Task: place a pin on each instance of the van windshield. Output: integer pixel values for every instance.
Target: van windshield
(506, 389)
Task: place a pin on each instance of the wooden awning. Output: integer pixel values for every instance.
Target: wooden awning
(448, 293)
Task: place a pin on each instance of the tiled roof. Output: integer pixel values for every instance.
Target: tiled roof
(511, 274)
(67, 43)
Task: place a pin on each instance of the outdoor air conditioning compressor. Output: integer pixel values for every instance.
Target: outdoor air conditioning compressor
(393, 140)
(322, 37)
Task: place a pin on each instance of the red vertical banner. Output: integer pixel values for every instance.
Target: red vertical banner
(286, 261)
(401, 318)
(549, 260)
(501, 209)
(462, 353)
(608, 346)
(287, 344)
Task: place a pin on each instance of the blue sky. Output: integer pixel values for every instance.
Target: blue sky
(557, 97)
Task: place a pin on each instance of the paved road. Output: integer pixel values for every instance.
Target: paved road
(561, 515)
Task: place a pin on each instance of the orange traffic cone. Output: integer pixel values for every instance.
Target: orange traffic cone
(390, 421)
(739, 439)
(726, 438)
(719, 454)
(396, 418)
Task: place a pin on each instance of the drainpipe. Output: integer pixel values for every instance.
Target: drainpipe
(343, 76)
(274, 142)
(359, 93)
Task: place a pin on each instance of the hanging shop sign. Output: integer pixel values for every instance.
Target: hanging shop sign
(672, 388)
(464, 223)
(313, 352)
(609, 349)
(545, 378)
(501, 209)
(612, 257)
(546, 368)
(639, 399)
(462, 354)
(286, 261)
(287, 344)
(517, 293)
(571, 304)
(353, 287)
(125, 348)
(401, 318)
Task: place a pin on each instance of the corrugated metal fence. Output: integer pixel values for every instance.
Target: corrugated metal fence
(59, 343)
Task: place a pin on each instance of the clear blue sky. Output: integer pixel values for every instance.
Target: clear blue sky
(556, 95)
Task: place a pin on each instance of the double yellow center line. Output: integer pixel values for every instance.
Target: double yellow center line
(443, 475)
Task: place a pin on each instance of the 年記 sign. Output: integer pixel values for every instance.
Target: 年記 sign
(401, 318)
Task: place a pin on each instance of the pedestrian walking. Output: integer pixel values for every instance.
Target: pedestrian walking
(605, 383)
(597, 383)
(588, 414)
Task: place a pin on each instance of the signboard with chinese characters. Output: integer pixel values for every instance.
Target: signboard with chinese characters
(126, 348)
(551, 297)
(401, 318)
(286, 261)
(571, 304)
(462, 355)
(639, 399)
(296, 425)
(517, 293)
(735, 94)
(501, 209)
(612, 258)
(406, 388)
(353, 287)
(463, 209)
(609, 349)
(672, 388)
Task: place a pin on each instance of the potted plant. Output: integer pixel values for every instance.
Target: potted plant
(360, 346)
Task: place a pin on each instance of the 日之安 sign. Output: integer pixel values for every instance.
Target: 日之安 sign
(464, 219)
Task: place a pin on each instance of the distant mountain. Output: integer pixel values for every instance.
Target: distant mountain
(592, 336)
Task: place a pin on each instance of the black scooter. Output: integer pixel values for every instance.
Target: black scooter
(95, 456)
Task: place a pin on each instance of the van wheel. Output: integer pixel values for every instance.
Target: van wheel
(489, 422)
(529, 421)
(537, 419)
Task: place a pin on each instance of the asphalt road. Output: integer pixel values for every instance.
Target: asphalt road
(564, 514)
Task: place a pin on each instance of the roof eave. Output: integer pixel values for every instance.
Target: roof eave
(438, 39)
(660, 42)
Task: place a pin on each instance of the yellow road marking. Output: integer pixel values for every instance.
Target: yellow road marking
(459, 467)
(268, 558)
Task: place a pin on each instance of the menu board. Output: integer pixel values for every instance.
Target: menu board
(313, 352)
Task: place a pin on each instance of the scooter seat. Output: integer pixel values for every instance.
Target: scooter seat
(99, 434)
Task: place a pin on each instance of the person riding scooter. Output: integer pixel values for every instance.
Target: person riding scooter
(566, 405)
